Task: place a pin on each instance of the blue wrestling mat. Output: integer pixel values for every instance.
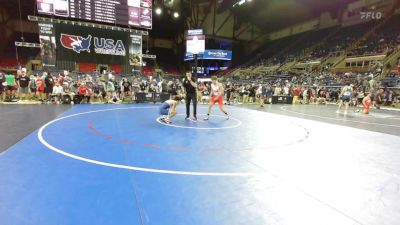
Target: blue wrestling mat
(117, 164)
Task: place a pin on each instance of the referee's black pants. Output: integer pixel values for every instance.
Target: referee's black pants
(191, 97)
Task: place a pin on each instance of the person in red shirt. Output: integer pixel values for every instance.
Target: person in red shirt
(40, 87)
(296, 93)
(84, 92)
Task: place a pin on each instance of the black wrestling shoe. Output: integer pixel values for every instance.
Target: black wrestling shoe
(164, 120)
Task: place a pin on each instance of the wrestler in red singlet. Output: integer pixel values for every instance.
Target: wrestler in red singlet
(367, 103)
(217, 95)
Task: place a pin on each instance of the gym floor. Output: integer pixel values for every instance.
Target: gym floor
(281, 164)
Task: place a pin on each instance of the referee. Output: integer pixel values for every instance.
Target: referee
(190, 86)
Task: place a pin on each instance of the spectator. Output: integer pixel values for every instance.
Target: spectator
(84, 92)
(153, 88)
(252, 93)
(372, 84)
(58, 93)
(286, 90)
(270, 93)
(143, 86)
(378, 99)
(110, 89)
(2, 87)
(174, 88)
(11, 86)
(99, 92)
(305, 97)
(23, 83)
(126, 88)
(164, 86)
(135, 87)
(32, 87)
(245, 94)
(61, 78)
(49, 83)
(365, 85)
(205, 95)
(200, 90)
(40, 87)
(296, 94)
(67, 79)
(262, 90)
(117, 87)
(278, 90)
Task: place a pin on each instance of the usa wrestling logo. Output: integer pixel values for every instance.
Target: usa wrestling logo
(76, 43)
(104, 46)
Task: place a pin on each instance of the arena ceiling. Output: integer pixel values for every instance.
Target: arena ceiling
(267, 15)
(275, 14)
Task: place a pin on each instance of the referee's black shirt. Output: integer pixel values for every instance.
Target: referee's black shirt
(188, 86)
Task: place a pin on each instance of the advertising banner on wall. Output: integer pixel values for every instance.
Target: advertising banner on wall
(47, 43)
(212, 54)
(90, 44)
(135, 50)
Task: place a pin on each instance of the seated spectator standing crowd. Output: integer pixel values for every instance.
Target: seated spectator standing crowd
(318, 88)
(54, 87)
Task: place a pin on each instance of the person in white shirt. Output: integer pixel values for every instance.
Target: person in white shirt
(32, 86)
(286, 90)
(159, 84)
(372, 84)
(58, 92)
(305, 96)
